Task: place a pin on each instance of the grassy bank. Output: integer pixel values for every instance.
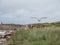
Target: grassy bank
(48, 36)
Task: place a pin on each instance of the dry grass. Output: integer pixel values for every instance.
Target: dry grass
(48, 36)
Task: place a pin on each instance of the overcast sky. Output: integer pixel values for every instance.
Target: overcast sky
(20, 11)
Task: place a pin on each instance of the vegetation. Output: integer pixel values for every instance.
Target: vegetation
(36, 36)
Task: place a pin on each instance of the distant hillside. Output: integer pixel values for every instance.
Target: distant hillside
(10, 26)
(28, 26)
(39, 25)
(56, 23)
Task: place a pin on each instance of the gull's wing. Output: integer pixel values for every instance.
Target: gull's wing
(43, 17)
(38, 18)
(34, 18)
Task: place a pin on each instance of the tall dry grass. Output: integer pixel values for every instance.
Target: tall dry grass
(48, 36)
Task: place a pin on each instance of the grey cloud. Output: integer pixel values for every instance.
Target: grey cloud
(23, 9)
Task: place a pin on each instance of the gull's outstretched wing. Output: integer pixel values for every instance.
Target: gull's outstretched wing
(36, 18)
